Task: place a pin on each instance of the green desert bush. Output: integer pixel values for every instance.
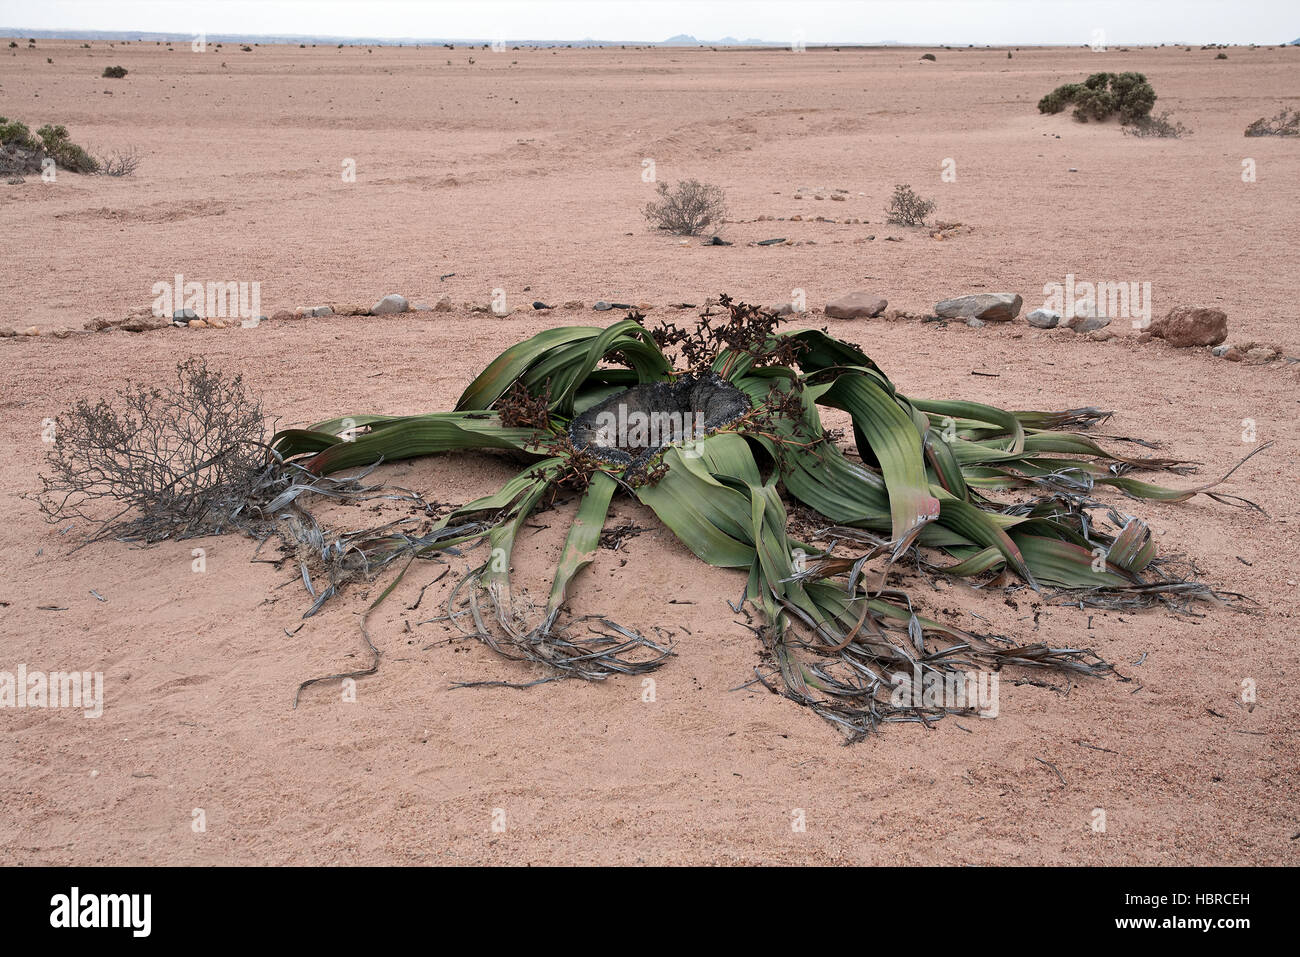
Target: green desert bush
(906, 208)
(1103, 95)
(67, 154)
(22, 153)
(114, 72)
(16, 134)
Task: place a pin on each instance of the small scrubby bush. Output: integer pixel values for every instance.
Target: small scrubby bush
(167, 461)
(67, 154)
(1286, 123)
(119, 164)
(906, 208)
(114, 72)
(22, 153)
(19, 152)
(687, 208)
(1159, 127)
(16, 134)
(1103, 95)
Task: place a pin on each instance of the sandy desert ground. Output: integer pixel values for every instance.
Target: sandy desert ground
(522, 170)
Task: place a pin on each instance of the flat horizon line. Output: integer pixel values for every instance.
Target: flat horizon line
(279, 39)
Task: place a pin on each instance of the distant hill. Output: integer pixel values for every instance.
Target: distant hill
(296, 39)
(686, 40)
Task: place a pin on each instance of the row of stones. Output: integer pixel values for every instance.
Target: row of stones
(1182, 326)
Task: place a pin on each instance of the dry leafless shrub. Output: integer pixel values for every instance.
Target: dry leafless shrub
(906, 208)
(688, 208)
(1162, 126)
(1286, 123)
(192, 459)
(124, 163)
(158, 463)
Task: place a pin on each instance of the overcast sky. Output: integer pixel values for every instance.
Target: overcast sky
(816, 21)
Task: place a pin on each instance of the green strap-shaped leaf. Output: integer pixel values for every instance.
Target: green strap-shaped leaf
(819, 352)
(563, 359)
(1133, 549)
(584, 536)
(979, 526)
(1005, 422)
(1067, 565)
(402, 438)
(494, 381)
(710, 518)
(896, 443)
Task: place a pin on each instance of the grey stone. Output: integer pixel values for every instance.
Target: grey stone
(856, 305)
(1090, 324)
(1043, 318)
(976, 323)
(390, 304)
(989, 306)
(601, 306)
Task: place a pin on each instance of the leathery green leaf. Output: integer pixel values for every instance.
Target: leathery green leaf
(894, 439)
(403, 438)
(708, 517)
(584, 535)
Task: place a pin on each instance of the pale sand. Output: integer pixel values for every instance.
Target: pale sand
(240, 182)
